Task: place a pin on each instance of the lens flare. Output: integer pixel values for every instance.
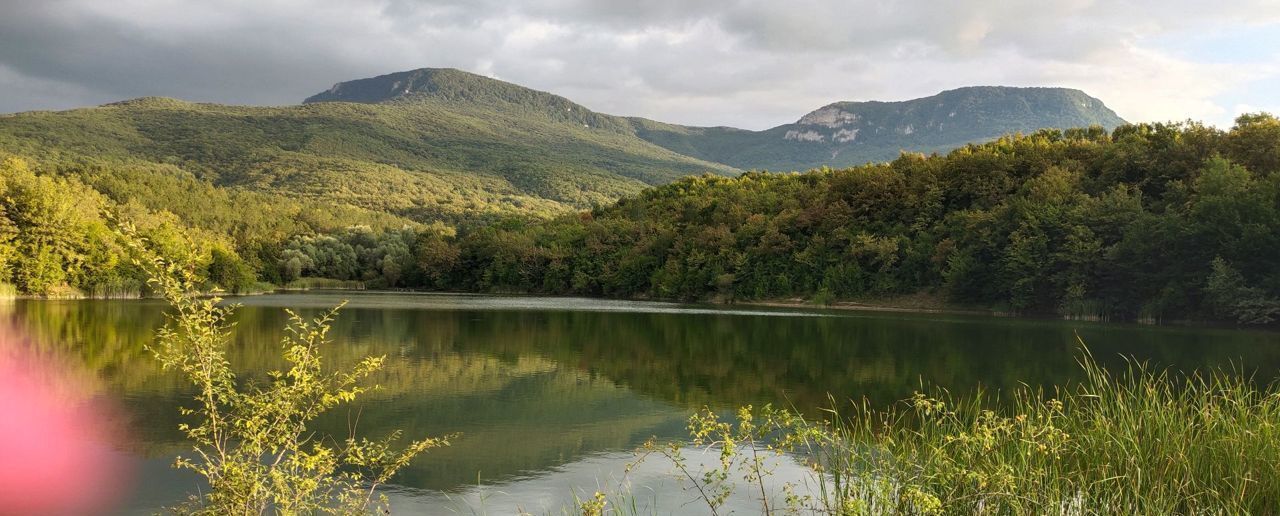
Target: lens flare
(60, 443)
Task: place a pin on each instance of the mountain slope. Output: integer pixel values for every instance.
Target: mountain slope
(450, 86)
(852, 133)
(433, 158)
(447, 145)
(837, 135)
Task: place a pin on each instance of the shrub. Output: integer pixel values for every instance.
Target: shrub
(252, 443)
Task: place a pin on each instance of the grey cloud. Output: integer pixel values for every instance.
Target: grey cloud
(248, 63)
(747, 62)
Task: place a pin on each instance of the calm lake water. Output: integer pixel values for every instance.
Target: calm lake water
(552, 395)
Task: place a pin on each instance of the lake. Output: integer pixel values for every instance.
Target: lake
(552, 395)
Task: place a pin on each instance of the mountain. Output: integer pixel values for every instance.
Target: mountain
(453, 86)
(446, 145)
(838, 135)
(468, 149)
(852, 133)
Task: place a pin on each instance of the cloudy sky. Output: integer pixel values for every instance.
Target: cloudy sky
(747, 63)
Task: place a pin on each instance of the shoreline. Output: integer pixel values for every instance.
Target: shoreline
(907, 304)
(856, 306)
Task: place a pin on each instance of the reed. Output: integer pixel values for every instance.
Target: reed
(323, 284)
(1137, 441)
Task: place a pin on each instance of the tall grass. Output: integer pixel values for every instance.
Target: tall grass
(116, 288)
(323, 283)
(1138, 441)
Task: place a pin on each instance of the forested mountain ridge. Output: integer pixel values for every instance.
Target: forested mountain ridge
(447, 85)
(430, 160)
(423, 146)
(836, 135)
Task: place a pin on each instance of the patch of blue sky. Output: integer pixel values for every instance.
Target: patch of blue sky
(1234, 44)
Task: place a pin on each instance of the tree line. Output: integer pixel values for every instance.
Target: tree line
(59, 233)
(1149, 221)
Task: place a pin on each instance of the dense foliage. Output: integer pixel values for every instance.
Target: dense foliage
(56, 238)
(1157, 221)
(385, 259)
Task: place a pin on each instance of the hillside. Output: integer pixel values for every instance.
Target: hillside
(369, 180)
(446, 145)
(1149, 221)
(435, 158)
(836, 135)
(853, 133)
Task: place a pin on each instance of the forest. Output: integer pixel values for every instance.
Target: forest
(1158, 222)
(59, 229)
(1148, 222)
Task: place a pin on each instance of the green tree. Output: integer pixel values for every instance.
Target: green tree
(227, 271)
(1231, 298)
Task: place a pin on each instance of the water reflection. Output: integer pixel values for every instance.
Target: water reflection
(538, 385)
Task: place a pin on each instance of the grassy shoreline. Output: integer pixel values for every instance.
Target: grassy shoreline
(1136, 441)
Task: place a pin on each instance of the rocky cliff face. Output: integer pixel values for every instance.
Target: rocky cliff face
(852, 133)
(954, 115)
